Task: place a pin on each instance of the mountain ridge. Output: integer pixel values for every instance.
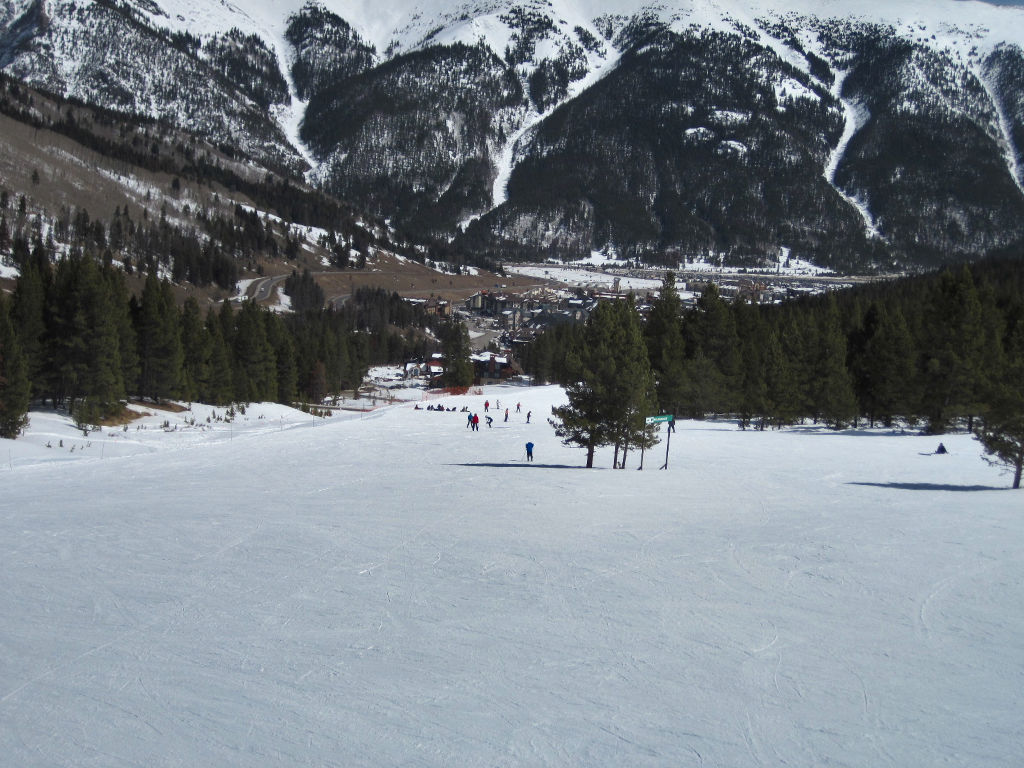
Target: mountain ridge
(441, 115)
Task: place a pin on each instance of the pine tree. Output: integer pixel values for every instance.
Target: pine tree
(588, 420)
(539, 358)
(358, 356)
(664, 338)
(717, 338)
(953, 359)
(65, 343)
(83, 349)
(458, 368)
(612, 391)
(635, 383)
(255, 366)
(159, 341)
(798, 339)
(196, 348)
(102, 383)
(15, 387)
(781, 386)
(1001, 430)
(121, 315)
(752, 400)
(335, 355)
(316, 382)
(699, 387)
(832, 386)
(285, 375)
(219, 389)
(29, 316)
(884, 368)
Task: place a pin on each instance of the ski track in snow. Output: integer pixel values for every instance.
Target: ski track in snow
(400, 590)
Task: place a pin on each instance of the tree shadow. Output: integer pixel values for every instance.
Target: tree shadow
(931, 486)
(518, 464)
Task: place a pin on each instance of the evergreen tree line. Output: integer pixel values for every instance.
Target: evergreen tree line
(944, 351)
(207, 254)
(73, 336)
(611, 390)
(935, 351)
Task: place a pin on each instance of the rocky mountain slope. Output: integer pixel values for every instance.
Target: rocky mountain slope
(859, 135)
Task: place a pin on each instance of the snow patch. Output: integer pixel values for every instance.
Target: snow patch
(856, 117)
(289, 585)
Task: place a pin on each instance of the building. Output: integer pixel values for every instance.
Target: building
(491, 368)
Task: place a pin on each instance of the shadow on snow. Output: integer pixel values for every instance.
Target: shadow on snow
(518, 464)
(931, 486)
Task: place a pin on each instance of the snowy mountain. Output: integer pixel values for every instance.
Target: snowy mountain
(854, 134)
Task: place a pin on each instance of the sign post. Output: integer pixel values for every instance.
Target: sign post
(671, 421)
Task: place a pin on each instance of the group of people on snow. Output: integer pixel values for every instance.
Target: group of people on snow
(473, 419)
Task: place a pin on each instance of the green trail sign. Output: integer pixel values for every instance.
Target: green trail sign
(665, 418)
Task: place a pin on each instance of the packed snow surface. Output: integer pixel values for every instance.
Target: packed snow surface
(395, 589)
(584, 278)
(407, 24)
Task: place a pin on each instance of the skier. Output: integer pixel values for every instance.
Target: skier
(476, 423)
(506, 414)
(528, 415)
(518, 406)
(469, 421)
(672, 424)
(529, 451)
(487, 405)
(489, 421)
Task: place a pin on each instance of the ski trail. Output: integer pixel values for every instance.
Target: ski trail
(506, 157)
(271, 29)
(1005, 134)
(290, 116)
(856, 116)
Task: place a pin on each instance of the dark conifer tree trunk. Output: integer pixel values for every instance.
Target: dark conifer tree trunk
(15, 387)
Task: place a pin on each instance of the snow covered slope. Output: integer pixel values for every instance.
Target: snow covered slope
(556, 126)
(397, 590)
(401, 25)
